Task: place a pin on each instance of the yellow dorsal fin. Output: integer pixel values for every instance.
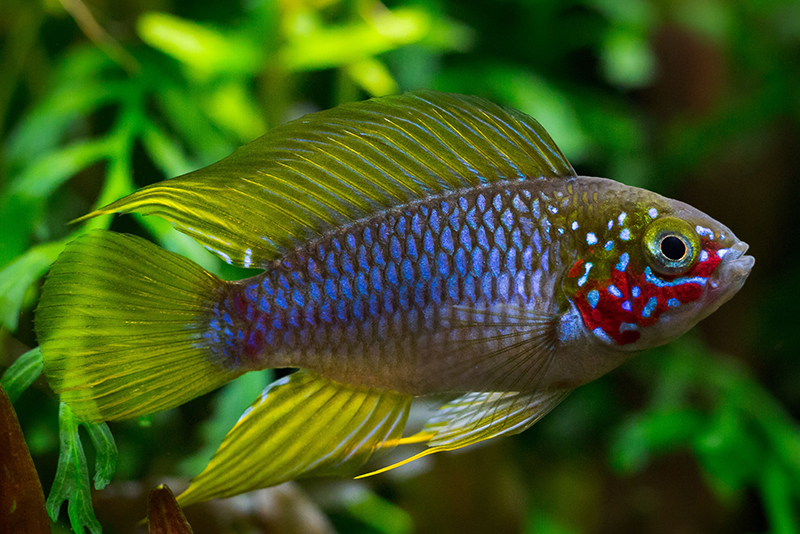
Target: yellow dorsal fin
(344, 164)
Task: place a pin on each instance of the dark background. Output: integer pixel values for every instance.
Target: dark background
(694, 99)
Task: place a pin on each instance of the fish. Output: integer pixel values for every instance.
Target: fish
(424, 245)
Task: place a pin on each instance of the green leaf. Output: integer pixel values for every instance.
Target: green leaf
(777, 494)
(372, 76)
(378, 513)
(72, 478)
(22, 204)
(44, 128)
(22, 373)
(331, 47)
(627, 59)
(17, 277)
(205, 49)
(646, 435)
(164, 151)
(232, 400)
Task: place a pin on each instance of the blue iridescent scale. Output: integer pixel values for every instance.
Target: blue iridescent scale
(401, 296)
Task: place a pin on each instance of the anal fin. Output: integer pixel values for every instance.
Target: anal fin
(302, 425)
(476, 417)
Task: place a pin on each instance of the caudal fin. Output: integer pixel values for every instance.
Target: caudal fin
(121, 327)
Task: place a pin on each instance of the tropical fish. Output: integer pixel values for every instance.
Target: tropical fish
(414, 245)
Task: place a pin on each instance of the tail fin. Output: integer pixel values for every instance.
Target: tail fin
(121, 328)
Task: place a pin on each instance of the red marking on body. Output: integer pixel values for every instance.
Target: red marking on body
(609, 315)
(575, 270)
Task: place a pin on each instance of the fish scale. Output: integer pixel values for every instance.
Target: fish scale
(365, 301)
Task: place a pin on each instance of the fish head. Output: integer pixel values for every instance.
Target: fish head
(648, 268)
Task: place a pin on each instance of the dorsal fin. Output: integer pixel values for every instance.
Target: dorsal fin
(337, 166)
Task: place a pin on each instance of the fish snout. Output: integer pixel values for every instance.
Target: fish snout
(733, 271)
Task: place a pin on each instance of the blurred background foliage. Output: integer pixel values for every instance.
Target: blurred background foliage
(695, 99)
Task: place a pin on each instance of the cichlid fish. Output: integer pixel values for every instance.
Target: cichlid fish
(411, 245)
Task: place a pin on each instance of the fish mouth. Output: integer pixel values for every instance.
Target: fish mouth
(731, 274)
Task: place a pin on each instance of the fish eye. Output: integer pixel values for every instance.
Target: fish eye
(671, 246)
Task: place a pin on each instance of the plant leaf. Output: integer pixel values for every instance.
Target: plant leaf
(22, 373)
(21, 497)
(17, 276)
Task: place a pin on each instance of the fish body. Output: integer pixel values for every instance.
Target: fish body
(413, 245)
(445, 295)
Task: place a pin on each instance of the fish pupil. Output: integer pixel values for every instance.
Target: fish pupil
(673, 248)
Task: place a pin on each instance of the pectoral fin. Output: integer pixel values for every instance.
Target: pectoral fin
(302, 425)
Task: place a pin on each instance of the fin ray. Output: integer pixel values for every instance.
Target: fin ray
(476, 417)
(331, 168)
(120, 323)
(302, 425)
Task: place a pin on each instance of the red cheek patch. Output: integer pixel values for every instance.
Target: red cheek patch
(631, 298)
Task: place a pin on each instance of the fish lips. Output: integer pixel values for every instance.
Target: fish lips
(731, 273)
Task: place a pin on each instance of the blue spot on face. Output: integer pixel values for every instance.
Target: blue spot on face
(673, 303)
(656, 281)
(614, 290)
(636, 291)
(625, 234)
(591, 239)
(609, 245)
(582, 280)
(623, 262)
(593, 297)
(626, 305)
(650, 307)
(574, 225)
